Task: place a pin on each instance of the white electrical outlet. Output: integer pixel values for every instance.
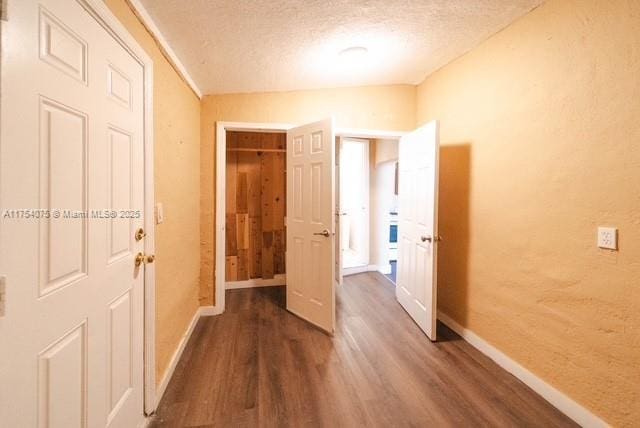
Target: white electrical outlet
(608, 238)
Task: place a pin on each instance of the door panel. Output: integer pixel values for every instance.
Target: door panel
(310, 254)
(60, 47)
(71, 153)
(62, 375)
(119, 168)
(418, 226)
(119, 352)
(63, 183)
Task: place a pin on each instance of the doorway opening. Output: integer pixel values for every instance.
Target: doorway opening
(368, 205)
(354, 202)
(255, 237)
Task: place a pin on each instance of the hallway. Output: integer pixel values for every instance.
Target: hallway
(258, 365)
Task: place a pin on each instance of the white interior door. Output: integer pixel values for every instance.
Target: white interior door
(71, 189)
(418, 226)
(310, 223)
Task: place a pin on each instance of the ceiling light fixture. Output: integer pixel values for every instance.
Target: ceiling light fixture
(354, 52)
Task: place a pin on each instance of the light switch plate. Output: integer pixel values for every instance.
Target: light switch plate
(159, 213)
(608, 238)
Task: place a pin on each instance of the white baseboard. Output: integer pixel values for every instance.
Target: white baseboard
(359, 269)
(202, 311)
(208, 311)
(559, 400)
(277, 280)
(383, 269)
(162, 387)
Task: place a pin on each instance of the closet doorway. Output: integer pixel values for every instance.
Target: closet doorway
(275, 199)
(255, 208)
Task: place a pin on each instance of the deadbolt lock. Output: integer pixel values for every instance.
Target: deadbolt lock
(140, 234)
(142, 259)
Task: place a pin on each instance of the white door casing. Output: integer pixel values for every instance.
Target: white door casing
(72, 154)
(416, 287)
(338, 218)
(310, 223)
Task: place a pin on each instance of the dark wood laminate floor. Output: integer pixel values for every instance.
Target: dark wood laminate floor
(258, 365)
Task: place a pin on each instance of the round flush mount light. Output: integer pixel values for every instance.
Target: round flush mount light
(354, 52)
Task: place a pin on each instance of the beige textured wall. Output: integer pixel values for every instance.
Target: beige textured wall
(540, 131)
(378, 107)
(384, 150)
(177, 181)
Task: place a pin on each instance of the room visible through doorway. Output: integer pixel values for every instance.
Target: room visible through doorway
(368, 205)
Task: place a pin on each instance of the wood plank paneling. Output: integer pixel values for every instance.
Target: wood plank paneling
(242, 231)
(267, 191)
(232, 173)
(254, 183)
(278, 195)
(231, 241)
(231, 268)
(243, 264)
(256, 204)
(267, 255)
(279, 243)
(255, 247)
(242, 199)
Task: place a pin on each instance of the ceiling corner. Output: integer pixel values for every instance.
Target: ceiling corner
(151, 26)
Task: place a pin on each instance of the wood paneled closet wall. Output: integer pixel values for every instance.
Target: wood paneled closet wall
(255, 205)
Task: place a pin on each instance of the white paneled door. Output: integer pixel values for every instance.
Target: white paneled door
(418, 226)
(310, 223)
(71, 189)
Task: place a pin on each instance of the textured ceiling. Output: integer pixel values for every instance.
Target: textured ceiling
(276, 45)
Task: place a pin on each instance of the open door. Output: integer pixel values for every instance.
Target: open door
(338, 218)
(418, 226)
(310, 223)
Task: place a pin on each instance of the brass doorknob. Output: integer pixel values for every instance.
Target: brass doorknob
(142, 259)
(324, 233)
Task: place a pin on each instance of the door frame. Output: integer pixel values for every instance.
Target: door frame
(368, 134)
(220, 207)
(221, 177)
(103, 15)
